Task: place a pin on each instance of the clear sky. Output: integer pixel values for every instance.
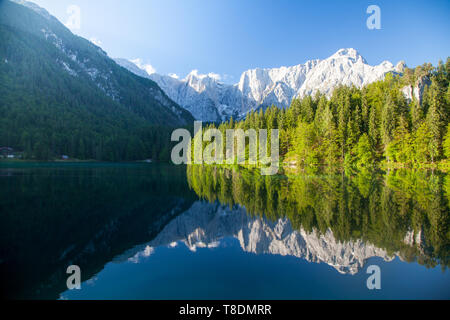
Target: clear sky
(227, 37)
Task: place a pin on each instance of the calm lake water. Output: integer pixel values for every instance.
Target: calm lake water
(155, 231)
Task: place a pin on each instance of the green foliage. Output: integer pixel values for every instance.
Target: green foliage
(422, 143)
(446, 143)
(362, 127)
(375, 208)
(364, 152)
(47, 112)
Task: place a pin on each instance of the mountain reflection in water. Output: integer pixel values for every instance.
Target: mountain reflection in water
(90, 215)
(404, 213)
(205, 224)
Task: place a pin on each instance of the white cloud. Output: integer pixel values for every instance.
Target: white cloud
(215, 76)
(212, 75)
(96, 42)
(174, 75)
(74, 22)
(194, 73)
(146, 67)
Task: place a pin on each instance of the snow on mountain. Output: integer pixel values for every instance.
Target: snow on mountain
(346, 67)
(130, 66)
(208, 99)
(275, 86)
(204, 96)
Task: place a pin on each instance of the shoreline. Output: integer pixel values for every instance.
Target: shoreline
(285, 168)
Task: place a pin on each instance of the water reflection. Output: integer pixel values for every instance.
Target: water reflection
(204, 225)
(402, 213)
(53, 216)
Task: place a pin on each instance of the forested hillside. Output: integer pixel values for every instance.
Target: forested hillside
(363, 127)
(62, 95)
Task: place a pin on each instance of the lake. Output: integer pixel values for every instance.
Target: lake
(156, 231)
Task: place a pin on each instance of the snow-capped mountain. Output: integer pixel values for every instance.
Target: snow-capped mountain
(204, 96)
(208, 99)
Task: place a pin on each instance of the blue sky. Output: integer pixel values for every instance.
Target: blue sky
(227, 37)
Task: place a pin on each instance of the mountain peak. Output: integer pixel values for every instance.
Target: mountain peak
(35, 8)
(349, 53)
(209, 99)
(194, 74)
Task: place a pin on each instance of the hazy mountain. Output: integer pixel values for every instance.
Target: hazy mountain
(211, 100)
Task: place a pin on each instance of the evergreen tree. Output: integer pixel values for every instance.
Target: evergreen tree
(388, 123)
(446, 143)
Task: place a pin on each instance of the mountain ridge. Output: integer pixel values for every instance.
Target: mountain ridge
(61, 95)
(208, 99)
(86, 61)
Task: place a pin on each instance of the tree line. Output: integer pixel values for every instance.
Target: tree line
(364, 127)
(381, 209)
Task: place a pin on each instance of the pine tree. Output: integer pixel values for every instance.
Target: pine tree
(364, 152)
(446, 143)
(388, 123)
(422, 141)
(437, 117)
(373, 127)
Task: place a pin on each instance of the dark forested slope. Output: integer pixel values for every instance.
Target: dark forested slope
(61, 94)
